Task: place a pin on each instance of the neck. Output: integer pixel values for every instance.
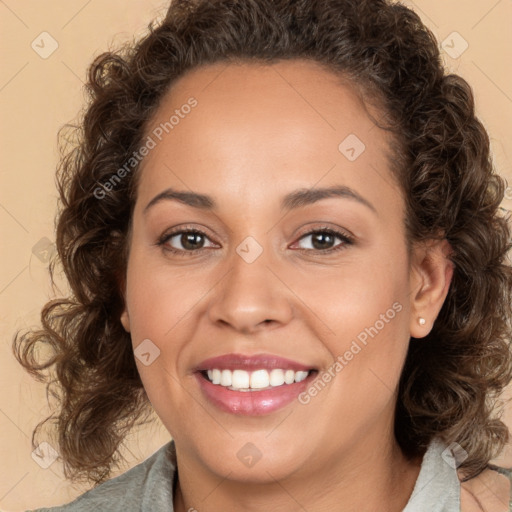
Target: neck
(361, 480)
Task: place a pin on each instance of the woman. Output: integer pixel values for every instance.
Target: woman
(281, 228)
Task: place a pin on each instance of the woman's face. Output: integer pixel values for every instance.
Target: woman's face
(264, 143)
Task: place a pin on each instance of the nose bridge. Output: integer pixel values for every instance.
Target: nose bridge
(250, 295)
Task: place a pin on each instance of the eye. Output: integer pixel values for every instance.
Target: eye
(190, 241)
(323, 239)
(184, 241)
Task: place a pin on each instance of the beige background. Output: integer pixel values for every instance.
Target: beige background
(38, 96)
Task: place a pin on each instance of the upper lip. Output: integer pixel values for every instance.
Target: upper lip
(254, 362)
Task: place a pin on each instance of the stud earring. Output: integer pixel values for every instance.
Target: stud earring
(421, 321)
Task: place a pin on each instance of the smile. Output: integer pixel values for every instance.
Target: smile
(241, 380)
(252, 385)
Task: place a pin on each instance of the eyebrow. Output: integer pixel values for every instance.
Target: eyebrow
(291, 201)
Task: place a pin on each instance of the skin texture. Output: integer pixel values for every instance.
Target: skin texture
(488, 491)
(258, 133)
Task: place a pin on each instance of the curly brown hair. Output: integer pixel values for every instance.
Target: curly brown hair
(450, 383)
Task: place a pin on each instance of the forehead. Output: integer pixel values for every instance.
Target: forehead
(263, 126)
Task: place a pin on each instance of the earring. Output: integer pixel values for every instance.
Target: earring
(421, 321)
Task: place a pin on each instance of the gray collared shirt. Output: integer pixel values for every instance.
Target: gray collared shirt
(148, 487)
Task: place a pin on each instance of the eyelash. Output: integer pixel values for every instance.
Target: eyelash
(346, 239)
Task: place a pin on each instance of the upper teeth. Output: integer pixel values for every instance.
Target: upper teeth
(241, 380)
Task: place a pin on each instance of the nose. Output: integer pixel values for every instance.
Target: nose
(251, 296)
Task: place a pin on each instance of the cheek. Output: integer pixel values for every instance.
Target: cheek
(367, 311)
(157, 306)
(359, 295)
(158, 298)
(368, 351)
(370, 337)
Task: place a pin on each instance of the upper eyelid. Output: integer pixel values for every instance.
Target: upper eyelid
(337, 232)
(171, 234)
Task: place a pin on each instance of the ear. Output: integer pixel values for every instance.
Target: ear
(431, 275)
(125, 319)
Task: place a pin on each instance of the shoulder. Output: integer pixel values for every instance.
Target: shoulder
(146, 486)
(490, 490)
(439, 486)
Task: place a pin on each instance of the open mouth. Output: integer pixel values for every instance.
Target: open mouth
(256, 380)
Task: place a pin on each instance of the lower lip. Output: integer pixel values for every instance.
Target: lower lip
(252, 403)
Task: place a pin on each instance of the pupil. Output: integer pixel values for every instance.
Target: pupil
(324, 238)
(188, 240)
